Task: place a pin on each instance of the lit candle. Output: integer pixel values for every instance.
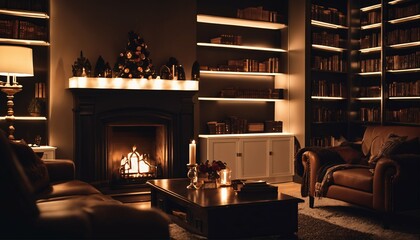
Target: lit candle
(192, 152)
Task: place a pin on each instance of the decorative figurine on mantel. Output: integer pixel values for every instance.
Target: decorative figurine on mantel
(81, 66)
(102, 69)
(134, 62)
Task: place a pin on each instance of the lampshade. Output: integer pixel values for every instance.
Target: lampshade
(16, 61)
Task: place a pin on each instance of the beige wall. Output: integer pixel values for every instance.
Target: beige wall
(100, 28)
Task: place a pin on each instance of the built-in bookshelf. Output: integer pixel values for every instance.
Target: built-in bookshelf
(328, 75)
(242, 51)
(26, 23)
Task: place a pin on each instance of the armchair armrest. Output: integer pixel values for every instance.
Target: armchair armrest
(395, 183)
(60, 169)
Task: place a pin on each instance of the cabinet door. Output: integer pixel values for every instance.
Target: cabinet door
(281, 157)
(254, 162)
(225, 150)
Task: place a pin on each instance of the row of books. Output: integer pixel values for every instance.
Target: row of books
(258, 13)
(403, 35)
(235, 125)
(227, 39)
(325, 114)
(371, 40)
(326, 14)
(327, 88)
(271, 65)
(325, 141)
(369, 114)
(370, 65)
(369, 91)
(404, 115)
(404, 89)
(251, 93)
(326, 38)
(22, 30)
(29, 5)
(371, 18)
(407, 61)
(332, 63)
(405, 11)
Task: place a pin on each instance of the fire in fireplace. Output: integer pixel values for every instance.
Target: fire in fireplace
(145, 159)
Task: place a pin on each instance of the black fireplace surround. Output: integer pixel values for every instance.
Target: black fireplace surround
(97, 109)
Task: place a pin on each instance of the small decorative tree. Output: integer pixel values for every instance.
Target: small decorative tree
(134, 62)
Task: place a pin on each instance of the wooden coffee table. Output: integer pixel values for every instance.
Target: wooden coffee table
(221, 213)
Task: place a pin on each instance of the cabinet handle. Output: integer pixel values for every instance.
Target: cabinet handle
(271, 153)
(239, 154)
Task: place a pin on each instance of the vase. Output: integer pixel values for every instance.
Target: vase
(209, 180)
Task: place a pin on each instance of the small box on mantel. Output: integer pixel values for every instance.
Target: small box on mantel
(273, 126)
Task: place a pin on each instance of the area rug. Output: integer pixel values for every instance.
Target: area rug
(309, 228)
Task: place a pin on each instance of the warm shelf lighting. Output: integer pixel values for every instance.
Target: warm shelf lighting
(21, 13)
(328, 48)
(327, 25)
(371, 26)
(404, 70)
(369, 8)
(239, 73)
(368, 98)
(405, 98)
(369, 50)
(239, 22)
(239, 99)
(24, 42)
(405, 45)
(405, 19)
(241, 47)
(327, 98)
(133, 84)
(369, 73)
(396, 2)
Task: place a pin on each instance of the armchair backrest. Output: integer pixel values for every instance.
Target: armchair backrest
(375, 136)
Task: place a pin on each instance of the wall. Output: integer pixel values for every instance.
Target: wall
(168, 28)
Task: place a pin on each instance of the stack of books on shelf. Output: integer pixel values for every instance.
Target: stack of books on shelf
(325, 114)
(403, 35)
(327, 88)
(404, 89)
(252, 93)
(227, 39)
(21, 30)
(369, 114)
(333, 63)
(327, 39)
(404, 115)
(258, 13)
(371, 40)
(326, 14)
(407, 61)
(370, 65)
(271, 65)
(370, 91)
(371, 18)
(404, 11)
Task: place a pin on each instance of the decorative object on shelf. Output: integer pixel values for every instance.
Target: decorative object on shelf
(102, 69)
(195, 71)
(81, 67)
(176, 70)
(225, 177)
(15, 62)
(134, 62)
(37, 105)
(34, 108)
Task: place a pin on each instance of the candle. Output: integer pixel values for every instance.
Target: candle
(192, 152)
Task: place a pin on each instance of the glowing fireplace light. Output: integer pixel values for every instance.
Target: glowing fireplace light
(136, 165)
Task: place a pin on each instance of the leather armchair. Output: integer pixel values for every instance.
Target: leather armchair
(389, 186)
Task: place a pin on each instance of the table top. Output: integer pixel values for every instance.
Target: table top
(218, 197)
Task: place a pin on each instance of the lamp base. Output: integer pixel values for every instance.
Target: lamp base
(10, 91)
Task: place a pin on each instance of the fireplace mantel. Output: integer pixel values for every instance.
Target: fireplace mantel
(132, 84)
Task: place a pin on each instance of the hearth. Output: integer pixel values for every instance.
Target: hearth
(153, 127)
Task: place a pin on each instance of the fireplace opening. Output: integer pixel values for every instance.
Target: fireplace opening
(136, 152)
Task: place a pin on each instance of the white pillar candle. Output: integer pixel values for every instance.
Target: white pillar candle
(192, 152)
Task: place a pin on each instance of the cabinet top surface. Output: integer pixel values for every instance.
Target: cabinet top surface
(218, 197)
(247, 135)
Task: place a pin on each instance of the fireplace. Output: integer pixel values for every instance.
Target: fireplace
(109, 123)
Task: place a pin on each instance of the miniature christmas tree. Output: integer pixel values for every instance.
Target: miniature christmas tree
(81, 67)
(134, 62)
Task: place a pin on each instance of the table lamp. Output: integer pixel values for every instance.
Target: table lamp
(15, 61)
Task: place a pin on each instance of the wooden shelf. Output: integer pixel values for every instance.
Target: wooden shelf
(23, 13)
(201, 18)
(239, 99)
(239, 73)
(256, 48)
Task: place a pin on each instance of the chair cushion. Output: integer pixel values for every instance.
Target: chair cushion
(34, 167)
(17, 202)
(67, 189)
(356, 178)
(387, 148)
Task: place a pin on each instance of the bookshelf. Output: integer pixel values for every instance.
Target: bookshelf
(26, 23)
(328, 75)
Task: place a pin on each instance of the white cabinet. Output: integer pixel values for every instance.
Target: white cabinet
(267, 156)
(48, 152)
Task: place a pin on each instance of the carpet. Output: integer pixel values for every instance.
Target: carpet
(309, 228)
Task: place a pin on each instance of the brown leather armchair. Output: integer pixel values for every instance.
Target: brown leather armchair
(390, 184)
